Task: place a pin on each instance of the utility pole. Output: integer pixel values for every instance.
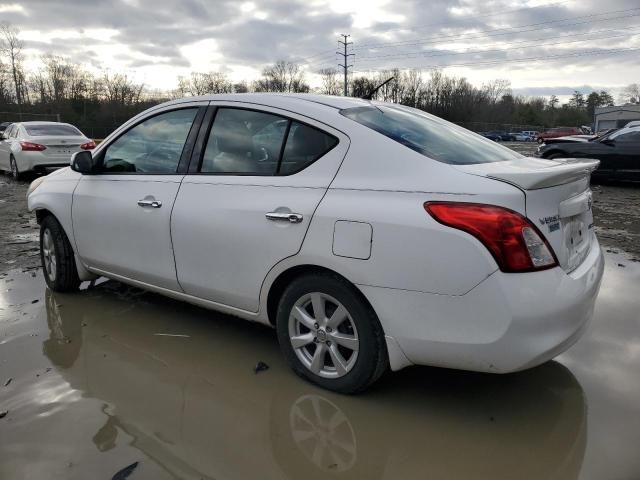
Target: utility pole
(345, 57)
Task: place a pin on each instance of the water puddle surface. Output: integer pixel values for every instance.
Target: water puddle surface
(97, 380)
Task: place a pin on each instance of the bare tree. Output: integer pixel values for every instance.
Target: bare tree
(282, 77)
(330, 81)
(630, 94)
(496, 89)
(11, 48)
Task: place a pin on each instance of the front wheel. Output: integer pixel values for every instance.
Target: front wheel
(56, 254)
(330, 335)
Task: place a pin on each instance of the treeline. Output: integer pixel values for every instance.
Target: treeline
(97, 103)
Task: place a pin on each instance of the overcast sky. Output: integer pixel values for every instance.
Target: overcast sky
(542, 46)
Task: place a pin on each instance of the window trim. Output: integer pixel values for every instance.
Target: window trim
(197, 158)
(183, 161)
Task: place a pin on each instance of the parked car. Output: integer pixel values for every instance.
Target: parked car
(558, 132)
(618, 152)
(499, 136)
(523, 137)
(370, 235)
(37, 146)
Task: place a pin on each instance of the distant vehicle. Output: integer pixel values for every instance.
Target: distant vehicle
(618, 152)
(4, 125)
(27, 146)
(558, 132)
(292, 211)
(523, 137)
(499, 136)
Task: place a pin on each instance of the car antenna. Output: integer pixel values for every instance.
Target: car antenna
(369, 96)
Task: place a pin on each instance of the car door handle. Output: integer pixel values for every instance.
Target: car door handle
(284, 217)
(150, 203)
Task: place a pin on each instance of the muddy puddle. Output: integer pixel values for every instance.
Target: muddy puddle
(95, 381)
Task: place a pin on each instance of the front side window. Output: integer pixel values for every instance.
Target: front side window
(153, 146)
(429, 135)
(248, 142)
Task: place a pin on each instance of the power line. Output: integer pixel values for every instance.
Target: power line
(345, 57)
(504, 30)
(494, 14)
(519, 60)
(324, 53)
(519, 45)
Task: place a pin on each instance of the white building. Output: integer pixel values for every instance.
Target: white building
(615, 117)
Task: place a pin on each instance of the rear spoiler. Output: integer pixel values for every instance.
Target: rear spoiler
(534, 173)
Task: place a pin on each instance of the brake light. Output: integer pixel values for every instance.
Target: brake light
(88, 146)
(32, 147)
(515, 243)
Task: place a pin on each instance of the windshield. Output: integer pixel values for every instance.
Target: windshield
(429, 135)
(53, 129)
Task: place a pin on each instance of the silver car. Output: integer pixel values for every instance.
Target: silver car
(38, 146)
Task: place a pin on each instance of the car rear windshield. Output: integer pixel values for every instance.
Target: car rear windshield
(429, 135)
(56, 130)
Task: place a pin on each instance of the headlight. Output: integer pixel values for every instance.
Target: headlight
(35, 184)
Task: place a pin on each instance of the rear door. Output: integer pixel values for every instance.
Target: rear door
(256, 178)
(121, 215)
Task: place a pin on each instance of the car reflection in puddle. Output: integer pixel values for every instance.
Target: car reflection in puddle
(192, 404)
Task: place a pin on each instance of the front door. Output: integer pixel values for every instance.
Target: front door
(121, 215)
(249, 203)
(627, 151)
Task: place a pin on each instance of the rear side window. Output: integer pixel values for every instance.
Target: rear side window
(304, 146)
(53, 130)
(429, 135)
(248, 142)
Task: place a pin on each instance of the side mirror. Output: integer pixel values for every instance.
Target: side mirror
(83, 162)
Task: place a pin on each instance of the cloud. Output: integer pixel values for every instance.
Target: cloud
(485, 39)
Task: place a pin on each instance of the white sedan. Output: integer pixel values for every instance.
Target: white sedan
(370, 235)
(39, 146)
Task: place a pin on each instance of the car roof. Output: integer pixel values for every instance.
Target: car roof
(274, 99)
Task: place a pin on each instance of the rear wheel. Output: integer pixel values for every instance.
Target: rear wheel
(56, 254)
(15, 173)
(330, 335)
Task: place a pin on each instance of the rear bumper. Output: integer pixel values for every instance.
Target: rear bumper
(508, 322)
(28, 161)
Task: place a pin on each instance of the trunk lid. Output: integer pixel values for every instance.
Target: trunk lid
(558, 200)
(60, 146)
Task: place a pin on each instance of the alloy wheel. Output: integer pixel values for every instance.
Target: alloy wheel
(49, 254)
(323, 335)
(14, 168)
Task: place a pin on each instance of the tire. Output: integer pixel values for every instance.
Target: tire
(361, 350)
(56, 255)
(15, 173)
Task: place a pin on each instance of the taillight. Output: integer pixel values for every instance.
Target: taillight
(32, 147)
(88, 146)
(515, 243)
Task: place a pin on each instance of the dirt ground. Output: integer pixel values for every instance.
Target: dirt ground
(113, 382)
